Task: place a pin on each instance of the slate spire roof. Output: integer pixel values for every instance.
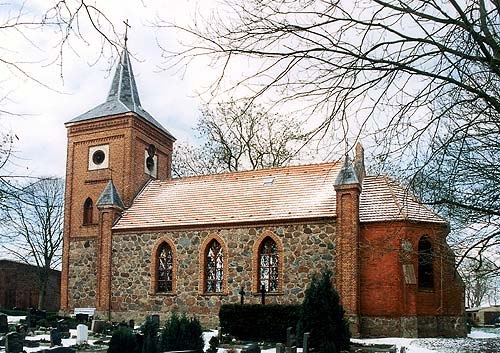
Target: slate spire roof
(123, 97)
(110, 197)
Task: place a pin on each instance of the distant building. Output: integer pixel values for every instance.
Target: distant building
(19, 289)
(484, 316)
(138, 242)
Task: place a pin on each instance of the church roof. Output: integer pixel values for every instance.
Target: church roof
(110, 197)
(123, 97)
(270, 195)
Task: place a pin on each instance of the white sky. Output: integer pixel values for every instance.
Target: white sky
(169, 96)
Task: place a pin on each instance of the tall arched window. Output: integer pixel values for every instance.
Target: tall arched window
(425, 263)
(164, 274)
(214, 268)
(268, 265)
(88, 209)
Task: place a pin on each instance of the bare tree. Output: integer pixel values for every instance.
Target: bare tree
(420, 78)
(239, 137)
(481, 282)
(32, 227)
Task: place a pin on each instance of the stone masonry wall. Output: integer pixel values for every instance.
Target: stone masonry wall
(83, 268)
(307, 249)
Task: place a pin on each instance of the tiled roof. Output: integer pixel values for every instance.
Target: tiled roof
(123, 97)
(279, 194)
(383, 199)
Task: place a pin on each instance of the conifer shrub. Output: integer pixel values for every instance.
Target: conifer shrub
(150, 332)
(322, 315)
(182, 333)
(122, 341)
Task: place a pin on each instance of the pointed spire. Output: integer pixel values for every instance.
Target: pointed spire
(110, 197)
(347, 174)
(123, 96)
(123, 87)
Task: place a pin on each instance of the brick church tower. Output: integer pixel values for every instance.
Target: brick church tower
(114, 149)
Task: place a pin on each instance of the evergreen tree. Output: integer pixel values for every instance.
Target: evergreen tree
(150, 331)
(122, 341)
(182, 333)
(322, 315)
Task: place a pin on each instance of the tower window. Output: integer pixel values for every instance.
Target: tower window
(425, 263)
(88, 209)
(98, 157)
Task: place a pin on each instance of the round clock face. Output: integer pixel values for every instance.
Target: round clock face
(150, 163)
(98, 157)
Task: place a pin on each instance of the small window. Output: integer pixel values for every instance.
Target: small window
(214, 268)
(88, 209)
(268, 265)
(165, 269)
(425, 264)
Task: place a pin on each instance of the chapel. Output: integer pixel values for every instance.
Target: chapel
(139, 242)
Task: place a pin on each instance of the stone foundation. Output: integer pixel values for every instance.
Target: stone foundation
(413, 326)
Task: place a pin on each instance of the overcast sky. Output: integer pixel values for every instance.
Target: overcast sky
(170, 96)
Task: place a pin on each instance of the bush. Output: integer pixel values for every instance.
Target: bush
(322, 315)
(122, 341)
(258, 322)
(150, 331)
(182, 333)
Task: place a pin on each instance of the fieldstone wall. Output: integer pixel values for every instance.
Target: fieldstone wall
(82, 284)
(307, 249)
(413, 326)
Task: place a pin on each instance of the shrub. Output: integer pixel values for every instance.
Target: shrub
(150, 331)
(122, 341)
(322, 315)
(258, 322)
(182, 333)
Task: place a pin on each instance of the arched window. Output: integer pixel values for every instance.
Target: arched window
(425, 263)
(268, 265)
(214, 268)
(88, 209)
(165, 269)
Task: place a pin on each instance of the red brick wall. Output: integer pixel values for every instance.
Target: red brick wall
(128, 137)
(383, 288)
(19, 286)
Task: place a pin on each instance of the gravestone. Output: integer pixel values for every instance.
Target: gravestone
(251, 348)
(280, 348)
(4, 324)
(14, 343)
(97, 326)
(305, 345)
(55, 337)
(34, 316)
(63, 327)
(82, 334)
(82, 318)
(156, 319)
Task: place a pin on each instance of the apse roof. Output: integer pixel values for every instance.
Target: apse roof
(270, 195)
(123, 97)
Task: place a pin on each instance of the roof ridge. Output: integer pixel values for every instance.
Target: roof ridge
(389, 182)
(242, 172)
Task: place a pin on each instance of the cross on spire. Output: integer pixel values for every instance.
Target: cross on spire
(127, 26)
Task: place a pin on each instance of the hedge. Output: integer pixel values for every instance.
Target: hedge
(258, 322)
